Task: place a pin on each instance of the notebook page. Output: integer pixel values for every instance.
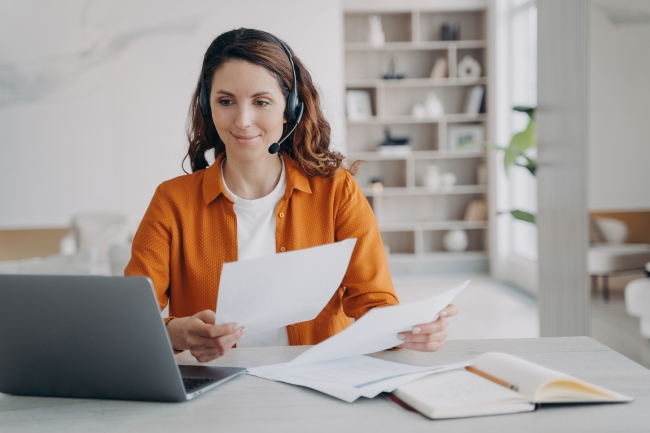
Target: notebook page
(541, 384)
(453, 390)
(525, 375)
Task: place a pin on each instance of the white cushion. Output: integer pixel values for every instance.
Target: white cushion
(119, 256)
(100, 231)
(613, 230)
(605, 258)
(80, 263)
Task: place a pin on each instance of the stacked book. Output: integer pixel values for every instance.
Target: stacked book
(476, 210)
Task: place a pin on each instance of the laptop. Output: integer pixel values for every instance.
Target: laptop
(92, 337)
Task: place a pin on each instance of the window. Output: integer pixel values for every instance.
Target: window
(523, 91)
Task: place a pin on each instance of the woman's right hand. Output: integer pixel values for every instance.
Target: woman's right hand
(205, 340)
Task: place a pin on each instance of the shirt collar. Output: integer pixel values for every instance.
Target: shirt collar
(213, 185)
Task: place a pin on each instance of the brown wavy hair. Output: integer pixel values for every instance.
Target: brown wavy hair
(309, 143)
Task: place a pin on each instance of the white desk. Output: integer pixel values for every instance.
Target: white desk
(250, 404)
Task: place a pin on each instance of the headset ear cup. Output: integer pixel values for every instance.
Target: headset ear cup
(291, 110)
(204, 101)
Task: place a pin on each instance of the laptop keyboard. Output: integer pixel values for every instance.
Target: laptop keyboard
(191, 383)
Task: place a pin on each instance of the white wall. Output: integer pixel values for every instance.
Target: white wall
(619, 149)
(94, 94)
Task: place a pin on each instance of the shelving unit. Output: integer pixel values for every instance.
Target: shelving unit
(413, 218)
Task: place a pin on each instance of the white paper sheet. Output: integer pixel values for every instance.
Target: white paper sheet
(350, 378)
(377, 329)
(335, 366)
(275, 291)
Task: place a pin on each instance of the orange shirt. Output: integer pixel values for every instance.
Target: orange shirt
(190, 230)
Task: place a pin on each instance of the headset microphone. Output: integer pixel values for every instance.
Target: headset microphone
(275, 147)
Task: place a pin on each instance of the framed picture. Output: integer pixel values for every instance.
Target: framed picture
(465, 137)
(358, 105)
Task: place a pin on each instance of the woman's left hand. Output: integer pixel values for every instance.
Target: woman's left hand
(429, 337)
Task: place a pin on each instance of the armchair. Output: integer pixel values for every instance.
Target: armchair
(608, 254)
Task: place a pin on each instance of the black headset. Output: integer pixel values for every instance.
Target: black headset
(293, 111)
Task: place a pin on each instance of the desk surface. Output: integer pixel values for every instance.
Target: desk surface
(248, 404)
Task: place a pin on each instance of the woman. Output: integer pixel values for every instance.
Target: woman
(252, 202)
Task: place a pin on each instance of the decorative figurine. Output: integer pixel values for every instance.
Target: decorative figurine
(468, 67)
(392, 73)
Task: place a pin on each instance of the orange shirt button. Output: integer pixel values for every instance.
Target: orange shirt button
(283, 249)
(281, 215)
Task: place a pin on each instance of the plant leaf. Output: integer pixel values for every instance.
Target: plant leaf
(528, 110)
(525, 139)
(510, 156)
(523, 216)
(530, 165)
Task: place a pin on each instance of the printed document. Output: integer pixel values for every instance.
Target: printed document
(378, 328)
(275, 291)
(350, 378)
(336, 367)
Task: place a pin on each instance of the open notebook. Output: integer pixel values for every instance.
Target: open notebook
(498, 383)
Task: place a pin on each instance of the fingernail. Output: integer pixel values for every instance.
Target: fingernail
(242, 331)
(416, 330)
(443, 314)
(401, 336)
(236, 326)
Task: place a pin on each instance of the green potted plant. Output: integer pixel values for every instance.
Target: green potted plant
(518, 152)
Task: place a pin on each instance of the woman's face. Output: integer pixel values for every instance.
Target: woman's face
(247, 109)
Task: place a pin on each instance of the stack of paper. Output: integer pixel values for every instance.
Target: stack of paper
(349, 378)
(275, 291)
(335, 366)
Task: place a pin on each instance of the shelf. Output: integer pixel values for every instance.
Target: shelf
(415, 46)
(418, 154)
(440, 256)
(431, 225)
(414, 219)
(415, 82)
(408, 119)
(421, 190)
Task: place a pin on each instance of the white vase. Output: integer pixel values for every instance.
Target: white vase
(455, 241)
(434, 106)
(448, 180)
(432, 178)
(376, 36)
(418, 111)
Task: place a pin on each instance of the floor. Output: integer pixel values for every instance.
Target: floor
(612, 326)
(486, 308)
(492, 310)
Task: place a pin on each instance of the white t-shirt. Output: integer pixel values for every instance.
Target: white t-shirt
(256, 238)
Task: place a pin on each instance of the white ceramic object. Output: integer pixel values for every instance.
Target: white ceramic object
(418, 111)
(448, 180)
(455, 241)
(468, 67)
(433, 105)
(376, 36)
(432, 179)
